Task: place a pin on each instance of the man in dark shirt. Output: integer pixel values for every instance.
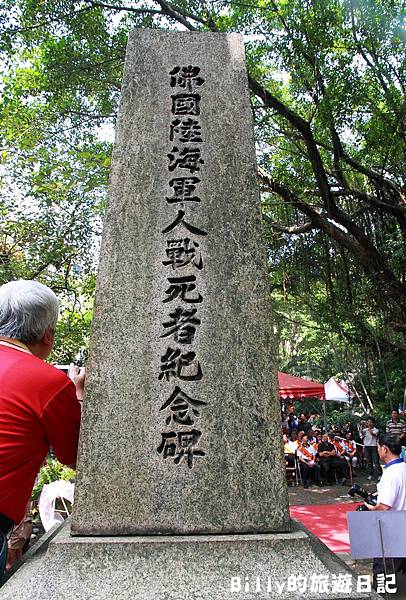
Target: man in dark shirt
(329, 461)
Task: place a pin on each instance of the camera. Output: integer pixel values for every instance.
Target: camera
(64, 368)
(357, 490)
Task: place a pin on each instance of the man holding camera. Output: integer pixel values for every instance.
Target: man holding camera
(39, 405)
(391, 493)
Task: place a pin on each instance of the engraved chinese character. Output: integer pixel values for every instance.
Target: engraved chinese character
(184, 288)
(183, 188)
(297, 583)
(181, 444)
(189, 130)
(187, 158)
(177, 365)
(186, 77)
(168, 448)
(179, 219)
(183, 252)
(186, 104)
(182, 324)
(183, 408)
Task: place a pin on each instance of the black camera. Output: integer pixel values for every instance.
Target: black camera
(64, 368)
(357, 490)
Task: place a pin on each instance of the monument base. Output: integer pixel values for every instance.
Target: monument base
(183, 568)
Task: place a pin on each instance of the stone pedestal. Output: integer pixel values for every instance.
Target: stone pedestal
(223, 567)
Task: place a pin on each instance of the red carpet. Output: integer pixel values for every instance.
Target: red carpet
(328, 522)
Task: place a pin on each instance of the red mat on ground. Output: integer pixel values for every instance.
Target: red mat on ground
(328, 522)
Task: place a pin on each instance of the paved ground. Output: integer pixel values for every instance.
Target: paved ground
(328, 494)
(338, 494)
(331, 495)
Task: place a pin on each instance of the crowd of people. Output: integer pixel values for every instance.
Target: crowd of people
(328, 457)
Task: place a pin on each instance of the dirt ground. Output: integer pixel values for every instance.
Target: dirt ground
(339, 494)
(334, 494)
(329, 494)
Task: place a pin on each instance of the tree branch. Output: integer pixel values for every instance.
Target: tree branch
(372, 261)
(47, 22)
(320, 174)
(119, 8)
(173, 13)
(377, 178)
(295, 229)
(89, 115)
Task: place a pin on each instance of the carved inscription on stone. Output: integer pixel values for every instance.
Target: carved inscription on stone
(182, 252)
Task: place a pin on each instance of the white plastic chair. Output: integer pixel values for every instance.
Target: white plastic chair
(63, 490)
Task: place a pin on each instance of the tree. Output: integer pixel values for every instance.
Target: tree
(327, 85)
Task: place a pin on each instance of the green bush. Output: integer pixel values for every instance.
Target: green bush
(53, 470)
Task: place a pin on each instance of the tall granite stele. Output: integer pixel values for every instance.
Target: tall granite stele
(181, 426)
(181, 430)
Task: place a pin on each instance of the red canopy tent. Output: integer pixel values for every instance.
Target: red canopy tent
(296, 387)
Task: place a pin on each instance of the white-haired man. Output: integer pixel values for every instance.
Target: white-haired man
(39, 405)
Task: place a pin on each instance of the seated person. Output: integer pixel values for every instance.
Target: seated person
(293, 440)
(289, 451)
(306, 455)
(333, 439)
(340, 452)
(350, 451)
(329, 461)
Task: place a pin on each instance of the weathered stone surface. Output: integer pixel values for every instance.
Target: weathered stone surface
(179, 568)
(125, 486)
(35, 554)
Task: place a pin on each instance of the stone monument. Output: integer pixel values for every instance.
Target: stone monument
(181, 356)
(181, 490)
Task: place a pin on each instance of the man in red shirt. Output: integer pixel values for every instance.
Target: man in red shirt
(39, 405)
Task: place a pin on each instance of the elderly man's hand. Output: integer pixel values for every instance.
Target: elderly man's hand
(13, 555)
(78, 375)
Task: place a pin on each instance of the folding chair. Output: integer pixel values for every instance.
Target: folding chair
(298, 471)
(61, 490)
(350, 470)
